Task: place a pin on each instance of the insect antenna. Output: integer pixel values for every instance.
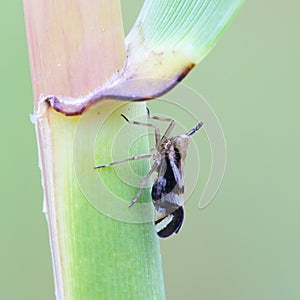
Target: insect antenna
(126, 119)
(195, 129)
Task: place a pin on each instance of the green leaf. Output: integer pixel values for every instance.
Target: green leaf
(188, 28)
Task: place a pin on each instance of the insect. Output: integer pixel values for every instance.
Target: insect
(168, 188)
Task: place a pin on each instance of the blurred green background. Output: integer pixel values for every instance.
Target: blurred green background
(245, 244)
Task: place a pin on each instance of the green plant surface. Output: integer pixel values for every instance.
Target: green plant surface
(186, 28)
(103, 258)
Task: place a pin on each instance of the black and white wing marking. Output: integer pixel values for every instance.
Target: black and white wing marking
(167, 194)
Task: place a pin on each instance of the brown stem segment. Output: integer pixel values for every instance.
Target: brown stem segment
(64, 38)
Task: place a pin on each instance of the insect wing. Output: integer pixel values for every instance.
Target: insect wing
(167, 193)
(167, 196)
(168, 224)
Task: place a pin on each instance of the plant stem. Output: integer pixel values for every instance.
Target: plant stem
(73, 47)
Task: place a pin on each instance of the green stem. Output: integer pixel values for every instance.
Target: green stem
(100, 257)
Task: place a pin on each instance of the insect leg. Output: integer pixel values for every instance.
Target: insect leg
(157, 117)
(143, 183)
(170, 127)
(195, 129)
(136, 157)
(157, 133)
